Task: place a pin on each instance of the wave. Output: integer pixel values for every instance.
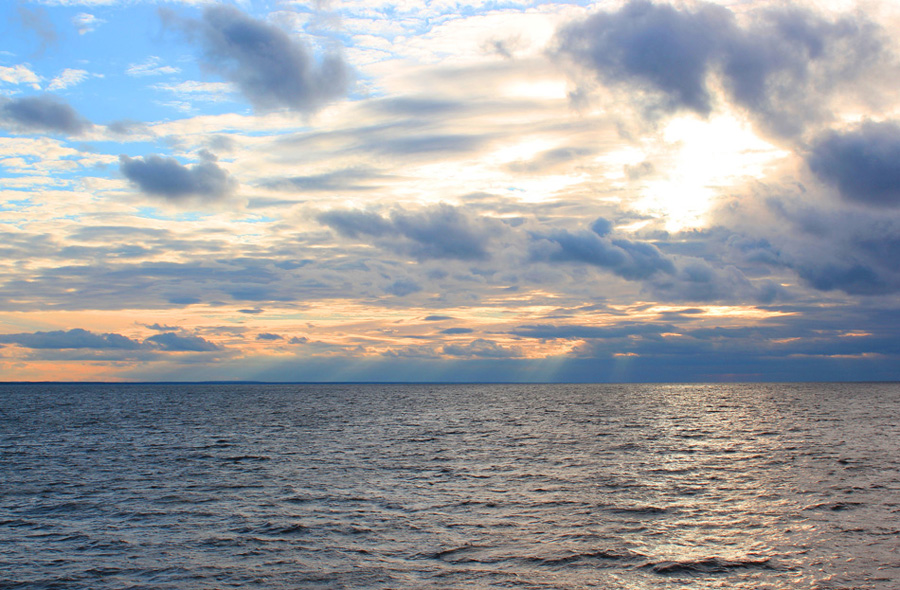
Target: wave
(709, 565)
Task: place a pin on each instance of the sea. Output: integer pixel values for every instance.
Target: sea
(657, 486)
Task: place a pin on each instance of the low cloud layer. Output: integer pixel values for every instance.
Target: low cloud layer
(79, 338)
(76, 338)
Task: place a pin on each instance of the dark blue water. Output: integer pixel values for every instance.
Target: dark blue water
(410, 487)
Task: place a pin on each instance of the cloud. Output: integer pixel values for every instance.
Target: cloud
(481, 348)
(161, 327)
(67, 78)
(269, 336)
(127, 127)
(41, 113)
(350, 179)
(698, 280)
(854, 278)
(652, 46)
(863, 163)
(165, 177)
(40, 23)
(150, 67)
(575, 332)
(830, 246)
(76, 338)
(550, 161)
(403, 288)
(79, 338)
(441, 231)
(191, 91)
(354, 224)
(172, 342)
(628, 259)
(452, 331)
(270, 68)
(781, 64)
(86, 22)
(20, 74)
(789, 61)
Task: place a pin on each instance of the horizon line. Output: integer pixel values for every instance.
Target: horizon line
(258, 382)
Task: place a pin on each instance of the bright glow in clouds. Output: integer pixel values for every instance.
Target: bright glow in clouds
(427, 191)
(707, 159)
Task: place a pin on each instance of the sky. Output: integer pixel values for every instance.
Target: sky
(358, 190)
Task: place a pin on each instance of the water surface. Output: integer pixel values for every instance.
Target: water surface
(457, 486)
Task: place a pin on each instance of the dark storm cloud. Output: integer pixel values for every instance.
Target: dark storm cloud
(628, 259)
(269, 67)
(780, 66)
(864, 163)
(172, 342)
(166, 177)
(41, 113)
(76, 338)
(441, 231)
